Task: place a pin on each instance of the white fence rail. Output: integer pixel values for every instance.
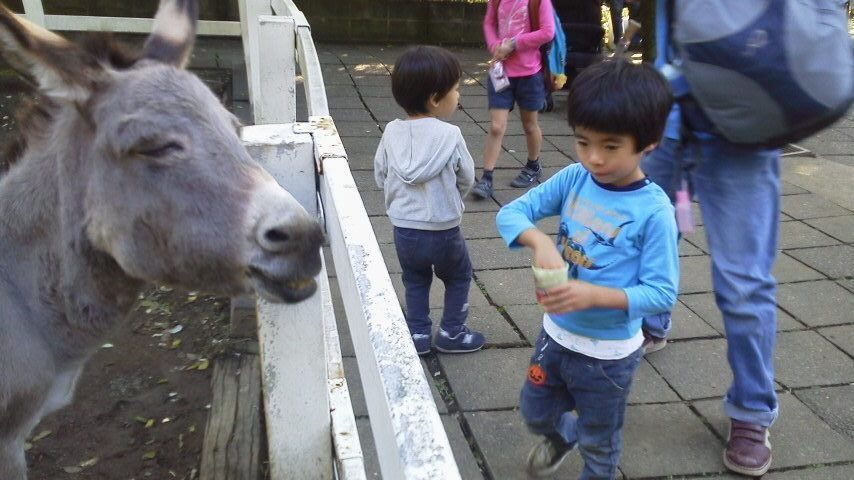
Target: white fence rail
(34, 11)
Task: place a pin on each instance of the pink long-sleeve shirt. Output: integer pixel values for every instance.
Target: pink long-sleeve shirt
(513, 22)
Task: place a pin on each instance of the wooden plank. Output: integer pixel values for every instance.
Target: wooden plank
(243, 322)
(84, 23)
(288, 156)
(292, 345)
(287, 8)
(34, 11)
(315, 89)
(249, 11)
(349, 459)
(296, 396)
(232, 444)
(276, 99)
(410, 438)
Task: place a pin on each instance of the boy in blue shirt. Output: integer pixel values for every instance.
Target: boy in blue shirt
(618, 241)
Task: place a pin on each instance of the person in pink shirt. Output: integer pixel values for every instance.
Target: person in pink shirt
(514, 38)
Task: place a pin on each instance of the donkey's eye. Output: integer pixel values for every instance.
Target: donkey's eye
(161, 150)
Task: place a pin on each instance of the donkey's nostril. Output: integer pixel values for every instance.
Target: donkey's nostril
(275, 235)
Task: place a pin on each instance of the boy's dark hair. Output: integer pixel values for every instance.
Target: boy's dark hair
(622, 98)
(421, 72)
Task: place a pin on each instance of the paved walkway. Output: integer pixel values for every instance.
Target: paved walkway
(675, 424)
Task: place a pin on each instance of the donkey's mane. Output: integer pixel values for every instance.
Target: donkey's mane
(36, 113)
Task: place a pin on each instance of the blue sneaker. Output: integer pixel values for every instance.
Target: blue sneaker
(422, 343)
(463, 342)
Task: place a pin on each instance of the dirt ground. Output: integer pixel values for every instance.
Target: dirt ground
(142, 402)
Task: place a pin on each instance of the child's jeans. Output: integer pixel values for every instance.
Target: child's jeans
(560, 380)
(421, 252)
(739, 194)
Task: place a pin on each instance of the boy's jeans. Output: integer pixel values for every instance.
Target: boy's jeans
(560, 380)
(420, 253)
(739, 194)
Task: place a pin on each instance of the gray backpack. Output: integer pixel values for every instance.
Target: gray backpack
(765, 72)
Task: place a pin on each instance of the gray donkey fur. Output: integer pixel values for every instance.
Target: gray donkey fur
(131, 172)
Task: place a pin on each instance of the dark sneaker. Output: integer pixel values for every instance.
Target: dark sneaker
(652, 344)
(422, 343)
(748, 450)
(546, 457)
(463, 342)
(527, 177)
(483, 189)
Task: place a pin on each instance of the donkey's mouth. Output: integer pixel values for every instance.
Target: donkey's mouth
(290, 290)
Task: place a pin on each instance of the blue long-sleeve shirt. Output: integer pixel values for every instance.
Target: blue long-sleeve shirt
(618, 237)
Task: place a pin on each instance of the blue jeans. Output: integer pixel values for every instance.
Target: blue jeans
(739, 194)
(559, 381)
(421, 252)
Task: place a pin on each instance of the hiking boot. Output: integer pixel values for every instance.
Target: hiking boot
(527, 177)
(652, 344)
(422, 343)
(463, 342)
(483, 188)
(545, 458)
(748, 450)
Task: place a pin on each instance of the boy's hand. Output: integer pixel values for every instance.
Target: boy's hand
(576, 295)
(572, 296)
(547, 256)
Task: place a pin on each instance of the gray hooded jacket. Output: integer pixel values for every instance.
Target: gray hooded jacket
(425, 169)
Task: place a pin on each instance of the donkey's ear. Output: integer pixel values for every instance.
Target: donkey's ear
(174, 31)
(62, 70)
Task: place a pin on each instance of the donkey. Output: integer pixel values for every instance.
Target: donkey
(130, 172)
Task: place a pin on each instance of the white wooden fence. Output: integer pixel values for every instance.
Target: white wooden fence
(408, 433)
(310, 424)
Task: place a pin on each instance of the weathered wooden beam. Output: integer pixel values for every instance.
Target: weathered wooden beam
(232, 444)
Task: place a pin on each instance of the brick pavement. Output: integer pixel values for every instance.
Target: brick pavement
(675, 424)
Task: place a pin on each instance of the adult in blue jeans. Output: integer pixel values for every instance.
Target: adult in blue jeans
(738, 190)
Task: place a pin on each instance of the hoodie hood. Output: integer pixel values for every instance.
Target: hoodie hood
(421, 149)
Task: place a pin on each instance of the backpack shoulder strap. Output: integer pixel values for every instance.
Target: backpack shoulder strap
(534, 14)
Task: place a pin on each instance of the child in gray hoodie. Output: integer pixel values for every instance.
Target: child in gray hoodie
(425, 169)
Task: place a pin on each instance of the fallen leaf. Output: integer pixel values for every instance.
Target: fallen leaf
(27, 446)
(175, 343)
(89, 463)
(41, 435)
(72, 469)
(201, 364)
(149, 423)
(149, 455)
(176, 329)
(107, 345)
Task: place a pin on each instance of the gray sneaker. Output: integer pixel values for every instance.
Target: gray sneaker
(527, 177)
(545, 458)
(483, 189)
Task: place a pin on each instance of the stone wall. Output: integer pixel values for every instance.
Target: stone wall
(350, 21)
(208, 9)
(396, 21)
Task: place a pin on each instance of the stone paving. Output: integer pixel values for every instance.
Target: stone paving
(675, 423)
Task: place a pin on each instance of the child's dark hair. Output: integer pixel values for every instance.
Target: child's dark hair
(622, 98)
(422, 72)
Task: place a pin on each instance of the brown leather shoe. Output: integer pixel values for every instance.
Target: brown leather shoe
(748, 450)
